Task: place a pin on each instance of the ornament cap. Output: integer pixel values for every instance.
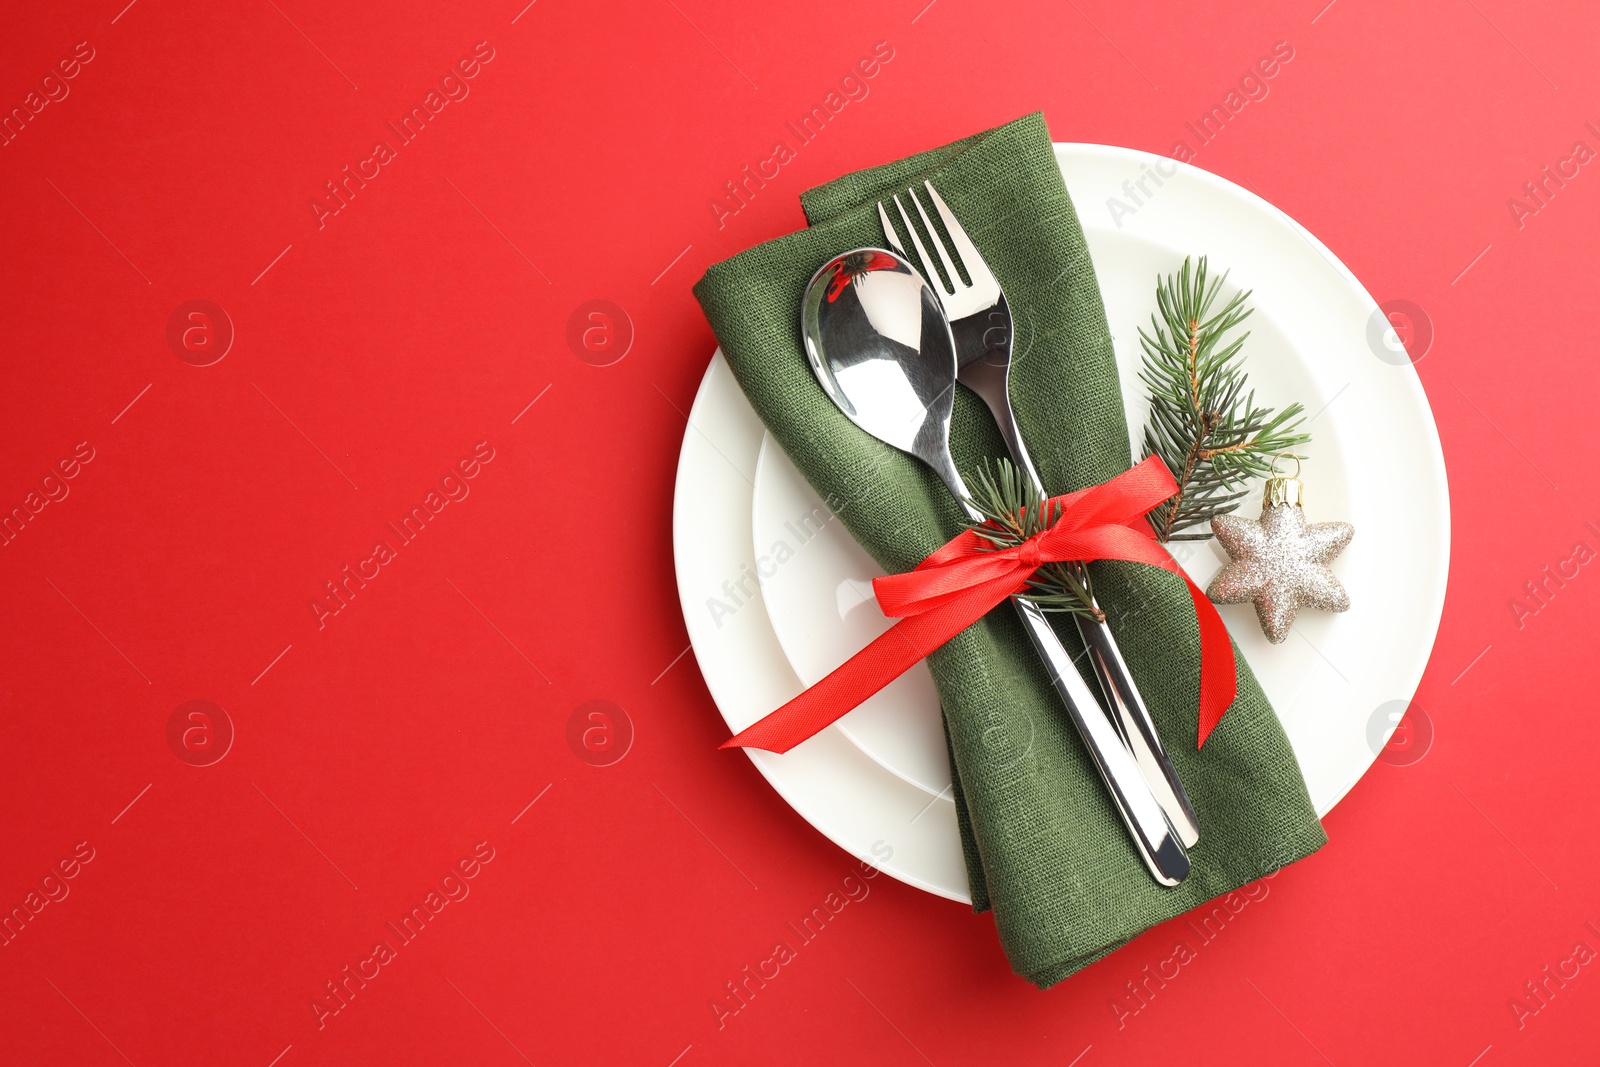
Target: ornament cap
(1282, 491)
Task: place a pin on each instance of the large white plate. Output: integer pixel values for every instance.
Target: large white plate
(880, 777)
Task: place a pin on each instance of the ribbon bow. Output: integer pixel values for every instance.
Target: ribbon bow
(961, 581)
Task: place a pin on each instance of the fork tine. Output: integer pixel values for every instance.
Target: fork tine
(956, 284)
(977, 269)
(922, 253)
(888, 230)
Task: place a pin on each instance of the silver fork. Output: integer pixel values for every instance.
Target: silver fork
(981, 322)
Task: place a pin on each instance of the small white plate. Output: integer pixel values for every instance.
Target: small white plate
(1375, 461)
(817, 582)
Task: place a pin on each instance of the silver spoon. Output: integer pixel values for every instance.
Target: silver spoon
(882, 350)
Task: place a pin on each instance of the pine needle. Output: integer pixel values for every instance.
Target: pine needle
(1013, 511)
(1204, 425)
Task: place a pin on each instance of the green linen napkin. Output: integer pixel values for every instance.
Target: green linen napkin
(1045, 848)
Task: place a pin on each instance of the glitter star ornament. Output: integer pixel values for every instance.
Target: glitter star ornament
(1280, 562)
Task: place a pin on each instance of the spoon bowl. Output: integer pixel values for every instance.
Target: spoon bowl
(881, 348)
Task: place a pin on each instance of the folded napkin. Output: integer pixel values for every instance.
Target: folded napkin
(1045, 848)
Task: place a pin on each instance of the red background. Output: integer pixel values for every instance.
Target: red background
(374, 753)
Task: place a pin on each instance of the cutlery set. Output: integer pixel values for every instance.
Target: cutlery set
(888, 346)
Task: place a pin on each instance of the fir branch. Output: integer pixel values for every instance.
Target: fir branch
(1013, 511)
(1205, 426)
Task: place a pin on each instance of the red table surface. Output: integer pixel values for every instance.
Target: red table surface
(422, 732)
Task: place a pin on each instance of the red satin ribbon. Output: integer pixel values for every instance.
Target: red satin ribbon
(958, 584)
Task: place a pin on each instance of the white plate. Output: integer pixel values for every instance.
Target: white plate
(1375, 461)
(817, 582)
(862, 808)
